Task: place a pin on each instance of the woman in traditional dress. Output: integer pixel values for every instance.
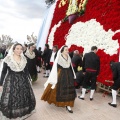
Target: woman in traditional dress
(31, 61)
(17, 98)
(59, 88)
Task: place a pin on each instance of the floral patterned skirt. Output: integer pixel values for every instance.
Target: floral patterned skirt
(17, 100)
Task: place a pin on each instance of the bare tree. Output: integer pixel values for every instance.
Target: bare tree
(32, 38)
(5, 40)
(49, 2)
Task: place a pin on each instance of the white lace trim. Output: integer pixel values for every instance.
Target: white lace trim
(64, 63)
(31, 56)
(14, 65)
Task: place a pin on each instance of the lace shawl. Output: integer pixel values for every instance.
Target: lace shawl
(64, 63)
(31, 56)
(14, 66)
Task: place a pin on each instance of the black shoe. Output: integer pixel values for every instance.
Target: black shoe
(44, 73)
(70, 111)
(45, 76)
(91, 99)
(113, 105)
(77, 87)
(80, 98)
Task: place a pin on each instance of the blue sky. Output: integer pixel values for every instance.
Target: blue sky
(19, 18)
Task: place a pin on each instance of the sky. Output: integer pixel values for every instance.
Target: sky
(19, 18)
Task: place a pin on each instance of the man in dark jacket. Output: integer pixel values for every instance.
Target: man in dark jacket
(39, 60)
(53, 56)
(91, 68)
(71, 54)
(76, 60)
(115, 66)
(46, 57)
(36, 54)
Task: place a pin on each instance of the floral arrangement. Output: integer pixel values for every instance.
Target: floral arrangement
(76, 8)
(100, 26)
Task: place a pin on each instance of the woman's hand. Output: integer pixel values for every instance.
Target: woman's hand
(83, 73)
(1, 88)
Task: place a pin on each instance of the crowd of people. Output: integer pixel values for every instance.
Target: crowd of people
(3, 52)
(65, 72)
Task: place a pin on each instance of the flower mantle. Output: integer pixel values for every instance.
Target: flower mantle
(99, 26)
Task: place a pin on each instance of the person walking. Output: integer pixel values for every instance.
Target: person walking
(59, 88)
(115, 66)
(76, 61)
(91, 68)
(31, 62)
(46, 57)
(17, 100)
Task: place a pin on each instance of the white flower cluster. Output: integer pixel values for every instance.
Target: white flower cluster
(91, 33)
(51, 35)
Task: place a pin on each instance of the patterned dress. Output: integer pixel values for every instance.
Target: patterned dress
(17, 99)
(31, 63)
(64, 92)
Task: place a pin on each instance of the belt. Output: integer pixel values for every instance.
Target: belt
(51, 63)
(91, 70)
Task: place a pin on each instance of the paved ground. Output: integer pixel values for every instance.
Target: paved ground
(98, 109)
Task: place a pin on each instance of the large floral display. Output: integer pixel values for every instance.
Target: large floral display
(94, 22)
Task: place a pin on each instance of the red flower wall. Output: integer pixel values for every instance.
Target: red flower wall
(107, 13)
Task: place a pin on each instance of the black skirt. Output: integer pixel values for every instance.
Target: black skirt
(65, 85)
(31, 63)
(17, 99)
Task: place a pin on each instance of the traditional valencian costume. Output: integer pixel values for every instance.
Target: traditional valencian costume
(59, 88)
(17, 99)
(31, 63)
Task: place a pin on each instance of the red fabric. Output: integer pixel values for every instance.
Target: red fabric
(39, 58)
(51, 63)
(75, 83)
(73, 65)
(91, 70)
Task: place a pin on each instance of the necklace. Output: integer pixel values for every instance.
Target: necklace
(18, 62)
(31, 53)
(65, 58)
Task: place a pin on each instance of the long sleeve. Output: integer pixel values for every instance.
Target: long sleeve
(80, 61)
(44, 54)
(27, 72)
(49, 56)
(114, 71)
(83, 64)
(3, 74)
